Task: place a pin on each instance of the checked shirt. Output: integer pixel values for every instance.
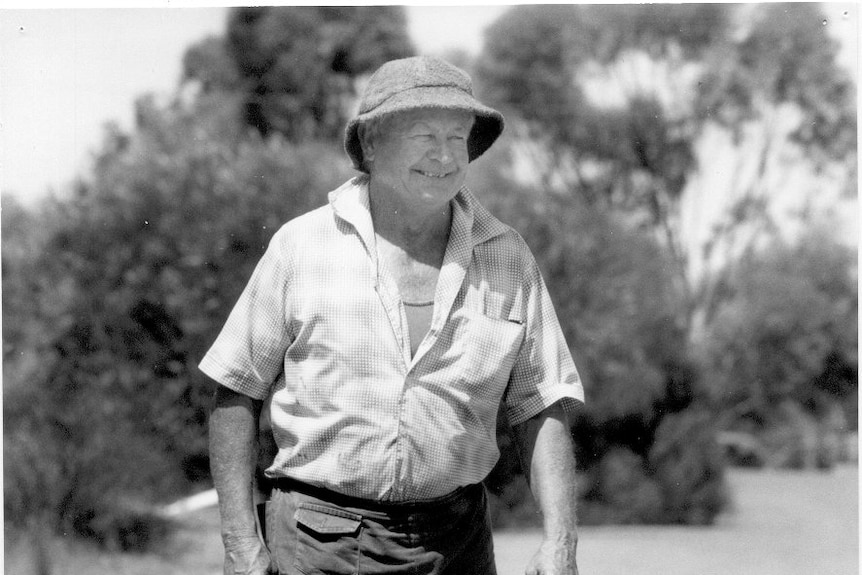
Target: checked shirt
(320, 328)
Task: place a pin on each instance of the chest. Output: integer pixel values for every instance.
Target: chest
(414, 271)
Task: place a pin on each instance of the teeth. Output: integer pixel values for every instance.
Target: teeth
(430, 175)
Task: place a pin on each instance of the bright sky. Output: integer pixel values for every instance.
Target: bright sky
(64, 73)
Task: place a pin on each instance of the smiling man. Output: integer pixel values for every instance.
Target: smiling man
(387, 327)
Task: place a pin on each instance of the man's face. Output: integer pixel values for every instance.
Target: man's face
(421, 156)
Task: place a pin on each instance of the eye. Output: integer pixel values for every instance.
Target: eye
(422, 137)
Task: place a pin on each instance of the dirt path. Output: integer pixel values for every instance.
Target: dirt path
(783, 522)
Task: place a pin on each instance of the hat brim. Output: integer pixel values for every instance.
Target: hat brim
(486, 129)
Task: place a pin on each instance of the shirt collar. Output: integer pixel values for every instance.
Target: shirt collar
(351, 203)
(482, 224)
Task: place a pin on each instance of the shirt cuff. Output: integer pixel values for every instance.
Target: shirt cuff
(569, 396)
(229, 378)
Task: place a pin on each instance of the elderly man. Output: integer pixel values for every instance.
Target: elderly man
(387, 327)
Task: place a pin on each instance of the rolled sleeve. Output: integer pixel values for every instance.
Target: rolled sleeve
(248, 354)
(544, 372)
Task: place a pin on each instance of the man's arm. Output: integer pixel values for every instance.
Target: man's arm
(547, 456)
(233, 433)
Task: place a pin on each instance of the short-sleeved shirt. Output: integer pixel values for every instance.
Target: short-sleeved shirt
(321, 328)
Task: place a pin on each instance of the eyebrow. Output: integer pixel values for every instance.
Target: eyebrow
(418, 125)
(422, 125)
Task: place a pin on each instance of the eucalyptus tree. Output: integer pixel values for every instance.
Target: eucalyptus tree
(620, 103)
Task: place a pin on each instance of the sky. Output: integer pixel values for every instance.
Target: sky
(64, 73)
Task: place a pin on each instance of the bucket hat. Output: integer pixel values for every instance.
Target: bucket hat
(422, 82)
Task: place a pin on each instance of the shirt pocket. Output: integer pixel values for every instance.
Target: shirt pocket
(490, 348)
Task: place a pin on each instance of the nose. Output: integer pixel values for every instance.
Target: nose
(442, 151)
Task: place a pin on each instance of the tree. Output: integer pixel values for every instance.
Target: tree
(787, 330)
(298, 65)
(210, 64)
(618, 308)
(790, 109)
(617, 102)
(139, 267)
(636, 109)
(126, 280)
(615, 106)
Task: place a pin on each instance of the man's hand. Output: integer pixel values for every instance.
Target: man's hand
(554, 558)
(246, 556)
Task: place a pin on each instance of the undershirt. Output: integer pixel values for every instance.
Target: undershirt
(419, 316)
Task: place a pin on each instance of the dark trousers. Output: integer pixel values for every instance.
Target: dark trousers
(313, 531)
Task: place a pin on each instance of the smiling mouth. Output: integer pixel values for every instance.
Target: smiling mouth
(432, 174)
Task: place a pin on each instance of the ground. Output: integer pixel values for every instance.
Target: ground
(782, 522)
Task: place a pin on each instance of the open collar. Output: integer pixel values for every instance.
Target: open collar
(471, 221)
(351, 203)
(471, 225)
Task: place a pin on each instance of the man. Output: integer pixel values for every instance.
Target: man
(387, 327)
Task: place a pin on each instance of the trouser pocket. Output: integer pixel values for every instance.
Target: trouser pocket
(327, 539)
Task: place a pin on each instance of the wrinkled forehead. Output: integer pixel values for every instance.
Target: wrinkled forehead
(442, 118)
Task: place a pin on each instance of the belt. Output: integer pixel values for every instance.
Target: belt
(456, 501)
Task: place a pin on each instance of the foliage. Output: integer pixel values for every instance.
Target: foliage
(634, 152)
(298, 64)
(622, 491)
(615, 105)
(138, 268)
(616, 303)
(114, 292)
(786, 58)
(614, 102)
(783, 348)
(688, 465)
(210, 64)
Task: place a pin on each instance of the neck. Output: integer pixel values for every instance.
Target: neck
(407, 225)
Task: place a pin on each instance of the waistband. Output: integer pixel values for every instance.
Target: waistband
(455, 502)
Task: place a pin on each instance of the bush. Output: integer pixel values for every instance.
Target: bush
(121, 526)
(781, 351)
(139, 268)
(795, 439)
(623, 492)
(512, 505)
(620, 312)
(688, 466)
(79, 474)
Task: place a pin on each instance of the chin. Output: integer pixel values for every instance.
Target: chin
(438, 197)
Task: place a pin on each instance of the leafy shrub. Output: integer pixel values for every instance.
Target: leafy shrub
(138, 268)
(794, 438)
(512, 505)
(617, 305)
(781, 352)
(118, 526)
(622, 492)
(688, 466)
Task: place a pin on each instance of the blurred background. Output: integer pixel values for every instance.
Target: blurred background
(686, 175)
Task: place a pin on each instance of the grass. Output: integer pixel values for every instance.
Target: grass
(782, 522)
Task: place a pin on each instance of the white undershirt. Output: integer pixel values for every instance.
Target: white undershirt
(419, 316)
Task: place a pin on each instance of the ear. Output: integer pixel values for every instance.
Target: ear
(366, 142)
